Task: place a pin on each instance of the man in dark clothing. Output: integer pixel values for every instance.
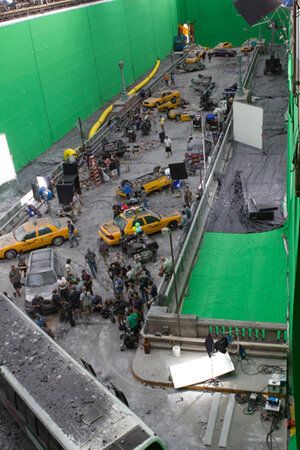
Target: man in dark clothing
(138, 304)
(69, 313)
(63, 288)
(90, 259)
(152, 290)
(72, 235)
(15, 279)
(118, 284)
(103, 249)
(57, 302)
(75, 302)
(88, 282)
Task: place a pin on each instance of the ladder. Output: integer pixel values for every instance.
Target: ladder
(95, 174)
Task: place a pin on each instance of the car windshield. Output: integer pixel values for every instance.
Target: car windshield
(120, 222)
(39, 279)
(19, 233)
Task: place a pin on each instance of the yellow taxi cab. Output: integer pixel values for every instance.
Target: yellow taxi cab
(224, 45)
(150, 182)
(246, 48)
(193, 57)
(165, 96)
(180, 116)
(149, 221)
(33, 234)
(171, 104)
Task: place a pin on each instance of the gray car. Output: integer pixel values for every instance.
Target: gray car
(44, 269)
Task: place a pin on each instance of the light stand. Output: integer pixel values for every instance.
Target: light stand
(166, 231)
(240, 89)
(124, 95)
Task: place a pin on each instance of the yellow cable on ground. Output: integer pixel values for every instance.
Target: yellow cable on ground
(108, 110)
(100, 121)
(146, 80)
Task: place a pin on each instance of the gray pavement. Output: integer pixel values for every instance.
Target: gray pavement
(179, 418)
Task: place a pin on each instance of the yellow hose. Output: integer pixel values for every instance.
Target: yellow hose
(100, 121)
(146, 80)
(69, 152)
(108, 110)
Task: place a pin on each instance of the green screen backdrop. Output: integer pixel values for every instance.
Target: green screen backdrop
(62, 66)
(218, 20)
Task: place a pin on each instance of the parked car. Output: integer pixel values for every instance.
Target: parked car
(149, 182)
(164, 97)
(35, 233)
(149, 221)
(224, 45)
(44, 269)
(246, 48)
(193, 57)
(179, 116)
(226, 52)
(171, 104)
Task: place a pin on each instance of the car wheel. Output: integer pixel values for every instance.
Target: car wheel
(57, 241)
(10, 254)
(173, 225)
(177, 118)
(173, 99)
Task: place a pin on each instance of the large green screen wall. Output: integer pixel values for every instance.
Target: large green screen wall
(218, 20)
(58, 67)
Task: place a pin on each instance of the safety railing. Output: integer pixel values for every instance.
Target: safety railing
(16, 214)
(161, 329)
(190, 247)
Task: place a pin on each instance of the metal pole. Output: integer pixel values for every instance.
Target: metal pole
(240, 89)
(175, 285)
(123, 93)
(203, 144)
(81, 133)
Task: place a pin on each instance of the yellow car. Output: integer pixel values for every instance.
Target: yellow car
(180, 116)
(165, 96)
(149, 221)
(193, 57)
(33, 234)
(170, 105)
(224, 45)
(150, 182)
(246, 48)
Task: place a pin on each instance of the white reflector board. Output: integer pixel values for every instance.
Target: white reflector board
(247, 124)
(200, 369)
(7, 170)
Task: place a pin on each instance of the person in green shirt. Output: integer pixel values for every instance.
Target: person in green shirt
(133, 321)
(166, 267)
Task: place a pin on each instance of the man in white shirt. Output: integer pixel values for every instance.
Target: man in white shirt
(168, 146)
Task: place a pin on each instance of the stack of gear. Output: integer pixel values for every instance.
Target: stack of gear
(140, 244)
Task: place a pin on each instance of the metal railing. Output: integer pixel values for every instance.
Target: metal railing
(17, 213)
(161, 329)
(187, 257)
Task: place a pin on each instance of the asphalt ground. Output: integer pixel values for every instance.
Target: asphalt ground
(99, 341)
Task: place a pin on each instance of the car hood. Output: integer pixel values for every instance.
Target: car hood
(151, 99)
(7, 239)
(44, 291)
(171, 213)
(110, 227)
